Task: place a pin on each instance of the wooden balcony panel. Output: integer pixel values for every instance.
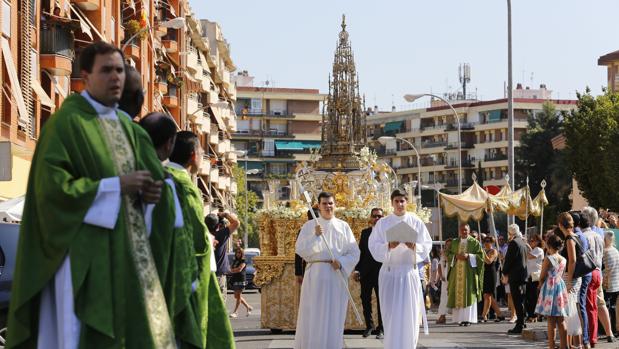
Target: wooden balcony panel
(56, 64)
(87, 5)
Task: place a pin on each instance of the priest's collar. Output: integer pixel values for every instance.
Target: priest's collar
(102, 110)
(174, 165)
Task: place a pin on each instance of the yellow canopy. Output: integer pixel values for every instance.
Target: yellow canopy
(473, 201)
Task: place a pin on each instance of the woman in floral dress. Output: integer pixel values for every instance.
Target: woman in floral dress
(552, 300)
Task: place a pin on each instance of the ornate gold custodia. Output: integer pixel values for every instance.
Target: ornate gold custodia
(349, 170)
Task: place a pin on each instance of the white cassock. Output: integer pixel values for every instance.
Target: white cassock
(400, 294)
(324, 299)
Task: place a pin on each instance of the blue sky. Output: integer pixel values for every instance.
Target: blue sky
(416, 46)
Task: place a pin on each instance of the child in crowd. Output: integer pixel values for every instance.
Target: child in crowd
(552, 300)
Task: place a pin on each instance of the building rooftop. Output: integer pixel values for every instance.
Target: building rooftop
(608, 58)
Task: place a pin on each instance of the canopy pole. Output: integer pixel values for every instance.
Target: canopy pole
(496, 236)
(526, 212)
(541, 225)
(440, 220)
(478, 231)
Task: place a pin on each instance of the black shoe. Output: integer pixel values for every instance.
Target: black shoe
(499, 319)
(367, 332)
(461, 324)
(611, 339)
(467, 324)
(380, 335)
(515, 330)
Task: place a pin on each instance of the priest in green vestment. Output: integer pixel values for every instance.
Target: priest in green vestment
(208, 304)
(466, 276)
(85, 276)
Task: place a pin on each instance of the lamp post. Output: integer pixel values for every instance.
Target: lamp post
(437, 188)
(174, 23)
(510, 104)
(411, 98)
(383, 140)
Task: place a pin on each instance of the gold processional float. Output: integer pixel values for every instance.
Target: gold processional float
(355, 192)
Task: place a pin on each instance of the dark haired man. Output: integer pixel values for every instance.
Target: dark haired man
(366, 272)
(132, 98)
(299, 263)
(85, 273)
(209, 308)
(324, 299)
(401, 296)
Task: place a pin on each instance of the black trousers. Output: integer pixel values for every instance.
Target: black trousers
(369, 283)
(517, 291)
(531, 297)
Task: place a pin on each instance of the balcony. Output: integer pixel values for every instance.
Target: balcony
(214, 175)
(496, 157)
(205, 166)
(432, 128)
(87, 5)
(171, 46)
(465, 145)
(193, 107)
(465, 164)
(162, 87)
(192, 61)
(132, 50)
(464, 126)
(57, 53)
(454, 183)
(439, 144)
(170, 100)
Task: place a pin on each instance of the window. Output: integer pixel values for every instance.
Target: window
(6, 19)
(269, 147)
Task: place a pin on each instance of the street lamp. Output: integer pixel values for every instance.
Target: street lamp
(411, 98)
(174, 23)
(510, 104)
(384, 139)
(244, 154)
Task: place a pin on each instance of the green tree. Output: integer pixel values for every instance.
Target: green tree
(592, 134)
(537, 159)
(250, 210)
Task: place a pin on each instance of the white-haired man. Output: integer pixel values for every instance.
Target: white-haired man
(515, 273)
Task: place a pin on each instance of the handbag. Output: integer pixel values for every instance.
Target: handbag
(585, 263)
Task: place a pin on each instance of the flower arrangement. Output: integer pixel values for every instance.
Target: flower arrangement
(361, 213)
(132, 27)
(281, 212)
(365, 157)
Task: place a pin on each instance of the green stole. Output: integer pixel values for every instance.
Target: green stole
(207, 303)
(465, 282)
(116, 289)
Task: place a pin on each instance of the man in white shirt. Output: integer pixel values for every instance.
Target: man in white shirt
(400, 293)
(324, 298)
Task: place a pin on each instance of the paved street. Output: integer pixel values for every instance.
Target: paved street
(249, 335)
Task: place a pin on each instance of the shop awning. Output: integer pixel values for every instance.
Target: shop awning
(15, 87)
(296, 145)
(394, 126)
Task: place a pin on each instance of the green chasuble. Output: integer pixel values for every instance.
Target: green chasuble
(465, 282)
(117, 295)
(208, 305)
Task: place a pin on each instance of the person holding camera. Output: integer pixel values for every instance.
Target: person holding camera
(216, 225)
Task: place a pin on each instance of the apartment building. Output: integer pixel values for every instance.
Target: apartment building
(611, 62)
(176, 56)
(434, 133)
(278, 128)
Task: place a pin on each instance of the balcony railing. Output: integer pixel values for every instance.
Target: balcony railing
(432, 127)
(454, 183)
(55, 39)
(433, 144)
(465, 145)
(463, 126)
(496, 157)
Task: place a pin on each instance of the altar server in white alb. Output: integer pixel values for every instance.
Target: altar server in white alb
(324, 298)
(400, 294)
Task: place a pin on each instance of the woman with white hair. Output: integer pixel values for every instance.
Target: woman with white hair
(515, 273)
(610, 282)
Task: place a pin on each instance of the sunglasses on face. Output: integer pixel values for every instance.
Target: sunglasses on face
(377, 216)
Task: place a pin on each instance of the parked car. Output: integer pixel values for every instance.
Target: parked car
(250, 270)
(9, 234)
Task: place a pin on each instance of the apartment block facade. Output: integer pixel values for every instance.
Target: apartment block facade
(185, 72)
(278, 128)
(611, 62)
(434, 133)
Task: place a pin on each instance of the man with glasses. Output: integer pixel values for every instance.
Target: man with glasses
(366, 272)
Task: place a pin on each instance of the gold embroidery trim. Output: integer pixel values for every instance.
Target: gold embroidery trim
(154, 300)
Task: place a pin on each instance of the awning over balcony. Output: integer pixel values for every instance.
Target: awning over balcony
(85, 23)
(43, 97)
(220, 122)
(296, 145)
(253, 165)
(15, 87)
(394, 126)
